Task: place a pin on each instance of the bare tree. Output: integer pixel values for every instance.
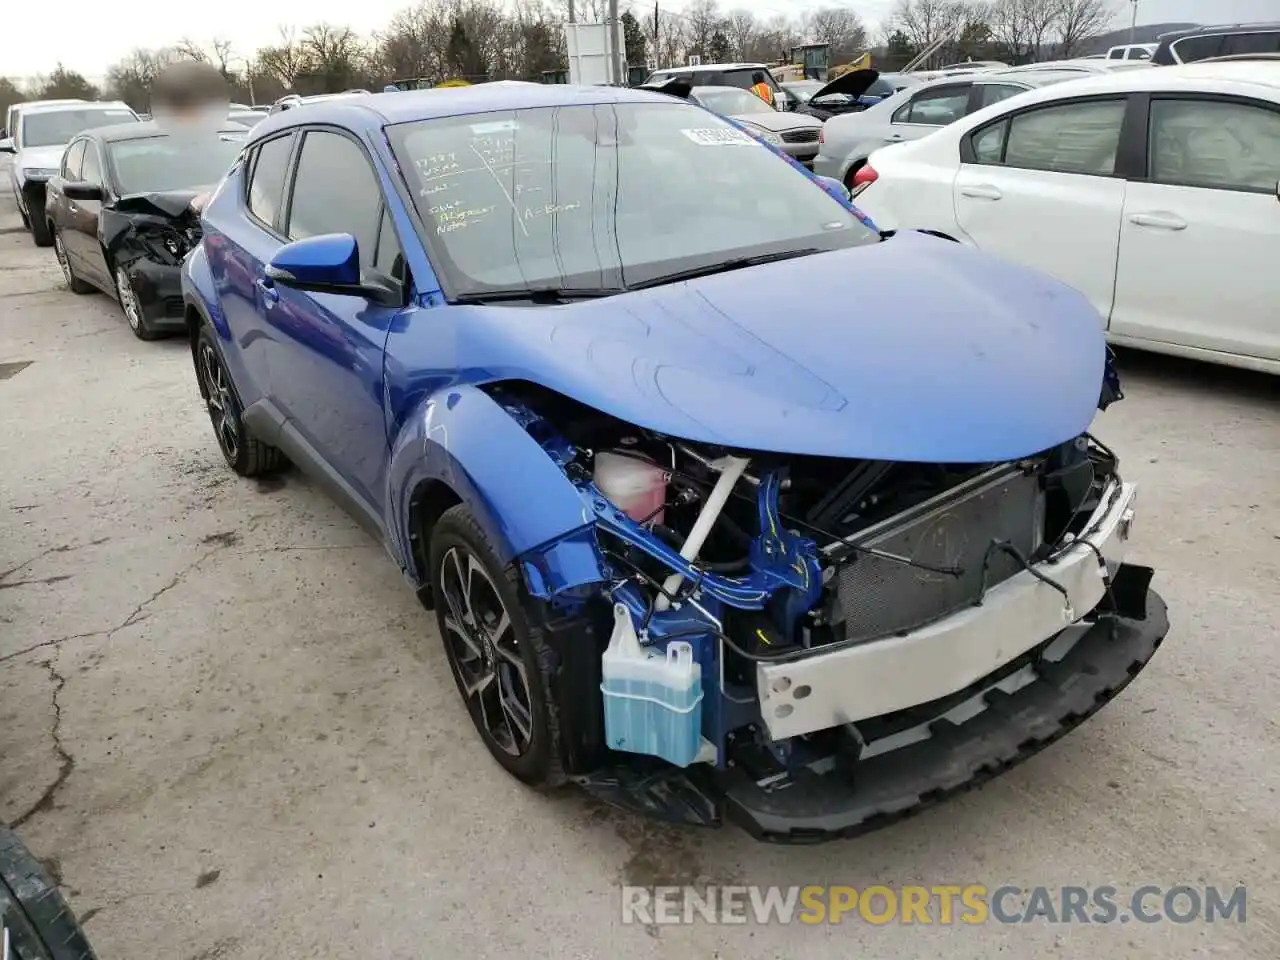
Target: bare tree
(740, 27)
(924, 22)
(130, 79)
(285, 61)
(704, 19)
(1080, 20)
(839, 28)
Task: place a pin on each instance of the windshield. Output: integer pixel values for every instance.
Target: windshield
(53, 128)
(804, 89)
(606, 196)
(730, 101)
(156, 164)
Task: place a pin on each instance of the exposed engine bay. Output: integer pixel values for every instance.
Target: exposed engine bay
(755, 559)
(160, 227)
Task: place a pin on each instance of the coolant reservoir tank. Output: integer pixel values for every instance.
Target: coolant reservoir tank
(633, 483)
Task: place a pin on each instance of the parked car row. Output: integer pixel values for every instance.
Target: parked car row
(1156, 193)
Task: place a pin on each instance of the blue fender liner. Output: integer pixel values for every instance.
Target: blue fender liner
(461, 438)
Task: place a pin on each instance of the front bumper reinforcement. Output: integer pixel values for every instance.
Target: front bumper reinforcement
(955, 757)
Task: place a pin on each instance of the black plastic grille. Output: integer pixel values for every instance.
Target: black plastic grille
(803, 135)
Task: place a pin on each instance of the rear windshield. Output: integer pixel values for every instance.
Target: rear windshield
(606, 195)
(156, 164)
(53, 128)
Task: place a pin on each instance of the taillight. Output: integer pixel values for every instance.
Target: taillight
(822, 134)
(865, 176)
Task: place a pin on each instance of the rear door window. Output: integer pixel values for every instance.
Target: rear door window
(989, 93)
(1071, 138)
(1261, 42)
(266, 179)
(935, 107)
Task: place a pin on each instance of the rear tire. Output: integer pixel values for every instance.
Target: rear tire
(500, 663)
(40, 231)
(39, 923)
(74, 283)
(245, 454)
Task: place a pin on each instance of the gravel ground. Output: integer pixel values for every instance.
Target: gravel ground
(229, 730)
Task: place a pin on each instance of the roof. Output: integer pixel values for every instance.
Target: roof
(404, 106)
(713, 66)
(1194, 77)
(53, 106)
(147, 128)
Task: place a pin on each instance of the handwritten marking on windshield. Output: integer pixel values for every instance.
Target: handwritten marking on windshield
(503, 188)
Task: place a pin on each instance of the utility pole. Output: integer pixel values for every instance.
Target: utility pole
(656, 61)
(618, 54)
(1133, 23)
(571, 17)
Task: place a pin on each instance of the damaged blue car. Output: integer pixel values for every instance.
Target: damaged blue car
(727, 505)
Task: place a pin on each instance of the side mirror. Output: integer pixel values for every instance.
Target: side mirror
(328, 264)
(82, 191)
(835, 187)
(7, 145)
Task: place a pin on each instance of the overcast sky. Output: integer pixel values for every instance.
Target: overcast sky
(96, 35)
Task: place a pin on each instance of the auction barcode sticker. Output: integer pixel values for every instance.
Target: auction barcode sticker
(720, 137)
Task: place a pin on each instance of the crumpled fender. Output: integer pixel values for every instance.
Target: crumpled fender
(123, 220)
(520, 497)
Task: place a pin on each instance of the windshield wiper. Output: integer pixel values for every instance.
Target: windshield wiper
(724, 266)
(539, 294)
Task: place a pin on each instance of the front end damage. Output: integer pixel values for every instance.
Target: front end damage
(870, 637)
(148, 236)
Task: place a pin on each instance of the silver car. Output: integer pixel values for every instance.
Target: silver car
(794, 133)
(915, 112)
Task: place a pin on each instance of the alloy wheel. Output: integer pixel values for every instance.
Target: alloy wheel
(221, 402)
(60, 252)
(128, 299)
(482, 644)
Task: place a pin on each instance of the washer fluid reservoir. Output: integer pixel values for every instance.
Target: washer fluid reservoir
(636, 486)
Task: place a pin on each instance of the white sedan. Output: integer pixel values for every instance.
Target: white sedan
(1156, 193)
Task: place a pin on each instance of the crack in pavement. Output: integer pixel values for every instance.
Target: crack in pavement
(65, 762)
(65, 548)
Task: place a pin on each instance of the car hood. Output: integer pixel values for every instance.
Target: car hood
(46, 158)
(854, 83)
(914, 349)
(166, 203)
(777, 121)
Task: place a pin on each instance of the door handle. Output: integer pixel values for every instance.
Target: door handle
(981, 192)
(894, 137)
(270, 294)
(71, 207)
(1161, 221)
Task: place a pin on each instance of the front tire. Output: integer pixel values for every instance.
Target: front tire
(33, 914)
(497, 655)
(245, 454)
(132, 307)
